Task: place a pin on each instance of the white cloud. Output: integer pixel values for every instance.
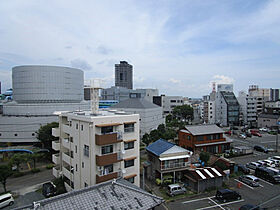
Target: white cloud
(221, 79)
(174, 81)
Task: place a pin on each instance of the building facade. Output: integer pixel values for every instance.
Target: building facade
(209, 112)
(208, 138)
(124, 75)
(38, 93)
(96, 148)
(150, 114)
(168, 103)
(248, 109)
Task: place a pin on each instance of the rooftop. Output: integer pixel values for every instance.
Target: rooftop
(203, 129)
(118, 194)
(135, 103)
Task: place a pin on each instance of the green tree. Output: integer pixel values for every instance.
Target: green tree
(17, 159)
(44, 134)
(35, 157)
(146, 139)
(5, 173)
(184, 112)
(204, 156)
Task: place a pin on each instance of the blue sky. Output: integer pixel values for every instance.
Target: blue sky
(179, 47)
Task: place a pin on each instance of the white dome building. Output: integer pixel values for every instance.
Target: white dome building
(38, 92)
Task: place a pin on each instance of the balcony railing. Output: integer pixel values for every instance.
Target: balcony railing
(174, 165)
(56, 171)
(66, 157)
(108, 159)
(55, 132)
(56, 145)
(103, 178)
(108, 138)
(56, 158)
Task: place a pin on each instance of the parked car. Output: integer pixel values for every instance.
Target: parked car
(262, 163)
(276, 160)
(249, 207)
(242, 136)
(272, 132)
(243, 169)
(253, 165)
(255, 132)
(269, 174)
(250, 180)
(263, 129)
(6, 200)
(270, 163)
(248, 134)
(260, 148)
(228, 132)
(175, 189)
(49, 189)
(225, 195)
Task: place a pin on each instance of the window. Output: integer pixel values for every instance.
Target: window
(129, 127)
(76, 167)
(108, 169)
(131, 180)
(71, 139)
(82, 127)
(128, 163)
(0, 134)
(199, 138)
(77, 126)
(70, 123)
(33, 134)
(83, 164)
(107, 149)
(71, 154)
(189, 137)
(15, 134)
(107, 129)
(173, 101)
(86, 184)
(76, 149)
(86, 150)
(129, 145)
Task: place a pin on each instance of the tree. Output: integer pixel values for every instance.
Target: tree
(35, 157)
(5, 172)
(184, 112)
(204, 157)
(44, 134)
(17, 159)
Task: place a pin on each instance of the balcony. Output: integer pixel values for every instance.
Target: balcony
(56, 145)
(68, 185)
(66, 128)
(55, 132)
(67, 171)
(107, 177)
(109, 138)
(174, 166)
(66, 158)
(104, 160)
(56, 159)
(56, 171)
(66, 143)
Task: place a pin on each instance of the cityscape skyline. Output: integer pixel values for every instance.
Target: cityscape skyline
(178, 48)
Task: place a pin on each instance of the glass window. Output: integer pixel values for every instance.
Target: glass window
(129, 127)
(129, 145)
(77, 126)
(82, 127)
(108, 169)
(199, 138)
(128, 163)
(131, 180)
(86, 150)
(107, 129)
(107, 149)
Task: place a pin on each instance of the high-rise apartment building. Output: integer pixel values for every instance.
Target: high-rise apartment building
(94, 148)
(124, 75)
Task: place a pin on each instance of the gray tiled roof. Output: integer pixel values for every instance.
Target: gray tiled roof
(135, 103)
(271, 116)
(203, 129)
(118, 194)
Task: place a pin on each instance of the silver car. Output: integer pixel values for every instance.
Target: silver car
(253, 165)
(175, 189)
(250, 180)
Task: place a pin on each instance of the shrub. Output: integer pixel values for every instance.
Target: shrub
(35, 170)
(59, 183)
(158, 181)
(18, 174)
(50, 166)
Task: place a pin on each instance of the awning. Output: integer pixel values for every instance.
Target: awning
(174, 157)
(106, 125)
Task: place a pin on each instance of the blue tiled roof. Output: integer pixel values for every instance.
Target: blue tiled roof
(159, 146)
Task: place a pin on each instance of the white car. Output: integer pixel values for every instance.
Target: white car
(262, 163)
(242, 136)
(253, 165)
(270, 163)
(263, 129)
(6, 200)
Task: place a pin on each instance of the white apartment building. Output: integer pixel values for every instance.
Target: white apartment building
(94, 148)
(168, 103)
(248, 108)
(209, 112)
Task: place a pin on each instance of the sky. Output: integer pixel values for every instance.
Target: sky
(177, 46)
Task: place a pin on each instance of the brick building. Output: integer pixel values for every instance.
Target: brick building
(208, 138)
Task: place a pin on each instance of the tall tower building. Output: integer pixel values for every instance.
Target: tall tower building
(123, 75)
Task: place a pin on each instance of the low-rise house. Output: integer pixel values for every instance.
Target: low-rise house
(166, 158)
(268, 120)
(116, 194)
(201, 179)
(208, 138)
